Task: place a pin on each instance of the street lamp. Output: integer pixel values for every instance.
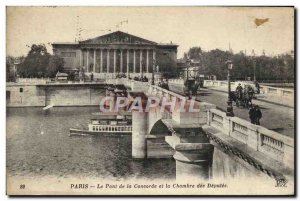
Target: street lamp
(254, 65)
(153, 70)
(188, 64)
(142, 69)
(229, 111)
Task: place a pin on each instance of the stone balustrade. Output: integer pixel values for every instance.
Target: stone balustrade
(156, 90)
(272, 144)
(266, 90)
(277, 92)
(33, 80)
(176, 81)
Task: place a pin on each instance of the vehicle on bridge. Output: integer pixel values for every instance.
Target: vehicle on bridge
(192, 79)
(243, 97)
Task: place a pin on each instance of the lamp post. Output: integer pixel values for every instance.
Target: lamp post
(142, 69)
(153, 70)
(229, 111)
(254, 65)
(188, 64)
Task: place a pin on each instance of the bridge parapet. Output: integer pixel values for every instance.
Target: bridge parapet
(176, 81)
(269, 92)
(272, 144)
(156, 90)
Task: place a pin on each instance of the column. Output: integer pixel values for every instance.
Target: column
(134, 70)
(127, 63)
(82, 55)
(107, 62)
(154, 55)
(115, 52)
(94, 66)
(141, 65)
(101, 61)
(80, 58)
(87, 60)
(139, 132)
(147, 61)
(121, 61)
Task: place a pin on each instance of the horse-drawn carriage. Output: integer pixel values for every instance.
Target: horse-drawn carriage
(243, 97)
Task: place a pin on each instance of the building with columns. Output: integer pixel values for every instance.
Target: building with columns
(117, 52)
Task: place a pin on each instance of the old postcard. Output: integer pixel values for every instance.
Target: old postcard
(150, 101)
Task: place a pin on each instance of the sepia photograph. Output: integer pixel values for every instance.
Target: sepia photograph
(150, 100)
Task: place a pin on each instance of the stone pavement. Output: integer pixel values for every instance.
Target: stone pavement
(275, 117)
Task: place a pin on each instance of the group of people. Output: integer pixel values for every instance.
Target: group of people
(246, 95)
(121, 75)
(164, 85)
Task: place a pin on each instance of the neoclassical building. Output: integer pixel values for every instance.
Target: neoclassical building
(116, 52)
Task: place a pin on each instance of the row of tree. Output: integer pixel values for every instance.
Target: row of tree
(275, 68)
(39, 63)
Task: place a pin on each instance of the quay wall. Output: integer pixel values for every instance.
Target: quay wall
(20, 95)
(35, 95)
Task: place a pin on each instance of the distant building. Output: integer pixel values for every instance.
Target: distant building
(61, 76)
(181, 63)
(114, 53)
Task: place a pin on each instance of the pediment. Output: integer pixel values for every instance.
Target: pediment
(117, 38)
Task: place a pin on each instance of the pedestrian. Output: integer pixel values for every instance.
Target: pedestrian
(252, 115)
(92, 76)
(258, 115)
(257, 87)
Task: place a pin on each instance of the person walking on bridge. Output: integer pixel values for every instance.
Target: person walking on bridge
(252, 115)
(255, 115)
(258, 115)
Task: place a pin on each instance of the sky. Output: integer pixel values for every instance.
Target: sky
(205, 27)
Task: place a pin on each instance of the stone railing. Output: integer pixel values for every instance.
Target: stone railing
(158, 91)
(176, 81)
(277, 92)
(183, 117)
(266, 90)
(33, 80)
(272, 144)
(276, 95)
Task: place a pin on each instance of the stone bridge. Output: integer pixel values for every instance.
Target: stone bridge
(191, 137)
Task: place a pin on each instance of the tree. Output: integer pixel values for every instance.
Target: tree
(55, 64)
(280, 67)
(39, 63)
(9, 63)
(195, 53)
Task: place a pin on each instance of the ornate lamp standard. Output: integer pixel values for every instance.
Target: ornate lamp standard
(254, 66)
(153, 70)
(229, 111)
(142, 69)
(188, 65)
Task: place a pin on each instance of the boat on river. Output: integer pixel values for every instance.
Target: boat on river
(106, 125)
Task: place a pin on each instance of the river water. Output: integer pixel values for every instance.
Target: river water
(38, 144)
